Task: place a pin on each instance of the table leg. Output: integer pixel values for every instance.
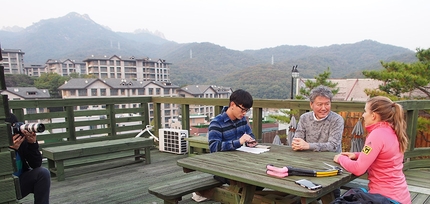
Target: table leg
(327, 198)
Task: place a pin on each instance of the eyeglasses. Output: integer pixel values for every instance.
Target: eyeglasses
(244, 110)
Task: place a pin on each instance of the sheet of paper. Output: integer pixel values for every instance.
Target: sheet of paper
(252, 150)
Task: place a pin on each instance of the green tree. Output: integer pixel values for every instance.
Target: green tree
(51, 81)
(19, 80)
(75, 75)
(399, 77)
(321, 79)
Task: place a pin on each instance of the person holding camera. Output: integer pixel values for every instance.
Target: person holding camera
(33, 178)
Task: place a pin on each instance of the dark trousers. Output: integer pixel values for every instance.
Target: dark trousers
(38, 182)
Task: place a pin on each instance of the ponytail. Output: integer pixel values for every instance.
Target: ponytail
(399, 126)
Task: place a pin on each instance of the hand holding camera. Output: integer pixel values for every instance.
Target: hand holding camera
(17, 141)
(24, 135)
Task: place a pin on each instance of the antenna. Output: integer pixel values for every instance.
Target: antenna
(273, 60)
(191, 54)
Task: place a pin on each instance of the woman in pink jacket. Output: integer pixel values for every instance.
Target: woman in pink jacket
(382, 154)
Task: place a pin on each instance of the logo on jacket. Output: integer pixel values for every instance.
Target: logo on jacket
(366, 149)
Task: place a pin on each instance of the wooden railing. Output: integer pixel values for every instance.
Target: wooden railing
(69, 125)
(108, 123)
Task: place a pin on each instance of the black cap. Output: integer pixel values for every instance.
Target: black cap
(11, 119)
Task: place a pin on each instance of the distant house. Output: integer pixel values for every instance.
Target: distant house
(23, 93)
(27, 93)
(353, 89)
(204, 91)
(349, 89)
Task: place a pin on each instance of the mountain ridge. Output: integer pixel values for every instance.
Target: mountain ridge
(77, 37)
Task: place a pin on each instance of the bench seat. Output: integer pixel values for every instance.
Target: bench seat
(172, 191)
(93, 152)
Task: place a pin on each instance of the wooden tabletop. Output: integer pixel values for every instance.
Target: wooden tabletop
(250, 169)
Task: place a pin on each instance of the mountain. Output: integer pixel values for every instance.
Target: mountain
(77, 37)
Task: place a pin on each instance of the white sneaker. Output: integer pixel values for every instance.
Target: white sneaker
(198, 198)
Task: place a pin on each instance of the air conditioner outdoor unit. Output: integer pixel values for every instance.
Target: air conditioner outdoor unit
(173, 140)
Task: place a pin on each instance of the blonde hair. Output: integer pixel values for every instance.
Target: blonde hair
(392, 113)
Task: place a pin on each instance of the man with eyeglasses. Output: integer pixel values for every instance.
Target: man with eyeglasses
(230, 130)
(321, 129)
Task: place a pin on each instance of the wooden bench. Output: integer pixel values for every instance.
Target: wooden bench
(197, 145)
(93, 152)
(172, 191)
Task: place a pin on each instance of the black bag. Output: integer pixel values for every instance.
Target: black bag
(361, 196)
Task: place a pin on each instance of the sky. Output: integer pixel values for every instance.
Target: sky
(245, 24)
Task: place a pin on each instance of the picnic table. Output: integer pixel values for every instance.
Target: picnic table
(247, 170)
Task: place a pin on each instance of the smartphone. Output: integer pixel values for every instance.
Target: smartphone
(308, 184)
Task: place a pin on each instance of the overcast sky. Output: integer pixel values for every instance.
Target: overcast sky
(246, 24)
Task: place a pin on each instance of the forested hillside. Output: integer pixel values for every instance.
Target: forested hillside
(77, 37)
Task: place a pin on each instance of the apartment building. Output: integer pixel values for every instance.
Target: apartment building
(140, 69)
(204, 91)
(35, 70)
(13, 61)
(93, 88)
(65, 67)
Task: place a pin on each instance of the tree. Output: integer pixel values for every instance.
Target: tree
(19, 80)
(51, 81)
(399, 77)
(321, 79)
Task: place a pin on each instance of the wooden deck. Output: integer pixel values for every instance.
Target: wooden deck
(124, 184)
(129, 183)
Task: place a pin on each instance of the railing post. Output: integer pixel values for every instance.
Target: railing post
(110, 108)
(411, 129)
(185, 117)
(157, 118)
(217, 110)
(257, 120)
(144, 113)
(70, 119)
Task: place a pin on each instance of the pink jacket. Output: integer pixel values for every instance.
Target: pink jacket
(382, 159)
